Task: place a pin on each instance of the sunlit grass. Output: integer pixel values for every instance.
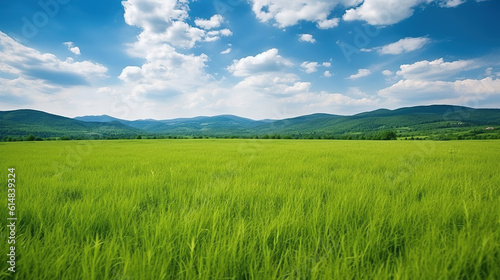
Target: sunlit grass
(255, 209)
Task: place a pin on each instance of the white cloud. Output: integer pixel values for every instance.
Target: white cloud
(404, 45)
(307, 38)
(277, 95)
(361, 73)
(451, 3)
(178, 34)
(485, 86)
(164, 22)
(337, 103)
(454, 92)
(181, 34)
(25, 88)
(154, 15)
(298, 87)
(225, 32)
(430, 82)
(436, 69)
(414, 87)
(182, 80)
(387, 73)
(387, 12)
(268, 61)
(28, 63)
(311, 67)
(168, 71)
(228, 50)
(382, 12)
(488, 71)
(327, 24)
(274, 84)
(283, 95)
(215, 34)
(290, 12)
(42, 81)
(327, 74)
(214, 22)
(72, 48)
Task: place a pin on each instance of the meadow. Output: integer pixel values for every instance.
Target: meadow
(253, 209)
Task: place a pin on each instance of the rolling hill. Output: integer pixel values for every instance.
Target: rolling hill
(410, 121)
(25, 122)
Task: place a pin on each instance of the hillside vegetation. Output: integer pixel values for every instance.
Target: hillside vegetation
(439, 122)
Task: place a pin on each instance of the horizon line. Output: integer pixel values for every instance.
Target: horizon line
(265, 119)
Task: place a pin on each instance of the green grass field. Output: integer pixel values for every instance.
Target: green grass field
(253, 209)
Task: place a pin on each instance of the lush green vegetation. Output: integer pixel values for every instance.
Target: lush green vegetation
(254, 209)
(19, 124)
(438, 122)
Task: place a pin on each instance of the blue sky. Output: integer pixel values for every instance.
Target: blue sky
(162, 59)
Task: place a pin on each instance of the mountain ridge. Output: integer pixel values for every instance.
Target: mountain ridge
(406, 121)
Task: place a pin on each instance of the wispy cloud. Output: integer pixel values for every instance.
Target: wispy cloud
(402, 46)
(25, 62)
(361, 73)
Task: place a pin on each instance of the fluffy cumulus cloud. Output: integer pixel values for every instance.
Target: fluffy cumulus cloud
(167, 71)
(456, 92)
(72, 48)
(179, 34)
(266, 78)
(329, 23)
(154, 15)
(287, 13)
(165, 22)
(433, 82)
(486, 86)
(266, 73)
(387, 12)
(214, 22)
(216, 34)
(307, 38)
(414, 86)
(382, 12)
(361, 73)
(274, 84)
(311, 67)
(268, 61)
(436, 69)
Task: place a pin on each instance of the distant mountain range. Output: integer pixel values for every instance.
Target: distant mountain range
(420, 120)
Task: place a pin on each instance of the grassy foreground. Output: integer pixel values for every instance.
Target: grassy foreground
(254, 209)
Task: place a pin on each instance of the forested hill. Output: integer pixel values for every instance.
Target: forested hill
(44, 125)
(422, 121)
